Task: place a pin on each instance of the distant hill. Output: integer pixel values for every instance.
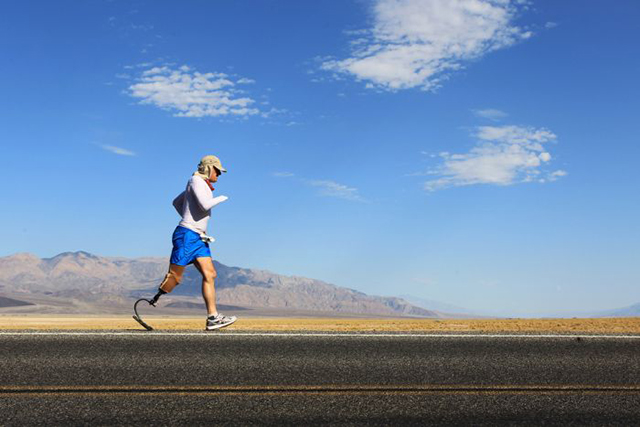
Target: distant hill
(429, 304)
(80, 282)
(10, 302)
(630, 311)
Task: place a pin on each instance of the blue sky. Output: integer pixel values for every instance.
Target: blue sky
(482, 153)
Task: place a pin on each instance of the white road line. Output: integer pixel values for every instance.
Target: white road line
(143, 334)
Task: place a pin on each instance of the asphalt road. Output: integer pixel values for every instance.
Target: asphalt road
(252, 379)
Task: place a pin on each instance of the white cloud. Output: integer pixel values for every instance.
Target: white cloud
(283, 174)
(117, 150)
(503, 155)
(140, 65)
(491, 114)
(326, 188)
(246, 81)
(553, 176)
(189, 93)
(142, 27)
(334, 189)
(516, 135)
(418, 43)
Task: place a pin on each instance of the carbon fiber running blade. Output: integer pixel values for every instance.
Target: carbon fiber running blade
(137, 317)
(139, 320)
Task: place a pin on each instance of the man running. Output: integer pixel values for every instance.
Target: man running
(190, 241)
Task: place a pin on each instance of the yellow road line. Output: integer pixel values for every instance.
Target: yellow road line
(313, 389)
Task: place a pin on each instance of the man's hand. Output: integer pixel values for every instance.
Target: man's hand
(207, 239)
(219, 199)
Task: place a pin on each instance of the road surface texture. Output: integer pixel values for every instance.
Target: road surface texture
(222, 378)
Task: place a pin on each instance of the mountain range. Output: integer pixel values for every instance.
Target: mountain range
(629, 311)
(83, 283)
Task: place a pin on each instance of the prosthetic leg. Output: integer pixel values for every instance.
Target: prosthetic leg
(168, 284)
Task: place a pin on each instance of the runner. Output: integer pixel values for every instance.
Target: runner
(190, 241)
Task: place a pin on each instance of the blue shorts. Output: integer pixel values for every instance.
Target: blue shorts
(187, 246)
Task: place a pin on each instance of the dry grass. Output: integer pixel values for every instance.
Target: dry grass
(629, 325)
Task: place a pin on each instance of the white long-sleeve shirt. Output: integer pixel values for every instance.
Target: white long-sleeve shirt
(194, 205)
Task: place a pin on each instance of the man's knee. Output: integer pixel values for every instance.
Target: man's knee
(171, 280)
(209, 275)
(177, 274)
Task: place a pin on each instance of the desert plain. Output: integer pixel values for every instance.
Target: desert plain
(618, 325)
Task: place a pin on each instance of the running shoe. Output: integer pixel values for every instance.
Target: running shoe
(220, 321)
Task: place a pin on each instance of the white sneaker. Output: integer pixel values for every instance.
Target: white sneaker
(220, 321)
